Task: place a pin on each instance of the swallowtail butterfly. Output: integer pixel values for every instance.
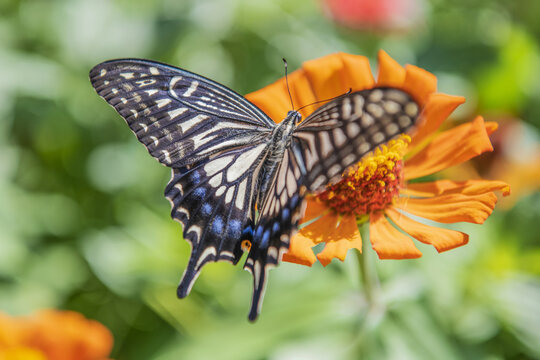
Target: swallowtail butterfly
(239, 179)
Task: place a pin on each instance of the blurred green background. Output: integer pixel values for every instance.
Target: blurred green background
(84, 225)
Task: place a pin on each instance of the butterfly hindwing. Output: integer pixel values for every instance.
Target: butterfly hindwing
(213, 200)
(340, 133)
(280, 212)
(179, 116)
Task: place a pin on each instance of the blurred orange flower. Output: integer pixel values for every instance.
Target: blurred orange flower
(379, 188)
(53, 335)
(516, 159)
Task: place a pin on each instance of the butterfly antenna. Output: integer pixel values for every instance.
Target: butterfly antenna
(320, 101)
(287, 81)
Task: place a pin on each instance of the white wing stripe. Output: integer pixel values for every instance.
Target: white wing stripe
(244, 162)
(339, 137)
(186, 125)
(215, 181)
(176, 112)
(191, 88)
(229, 195)
(281, 177)
(163, 102)
(218, 164)
(326, 144)
(241, 195)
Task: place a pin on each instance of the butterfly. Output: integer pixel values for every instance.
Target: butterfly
(239, 180)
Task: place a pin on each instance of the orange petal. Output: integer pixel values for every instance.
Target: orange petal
(390, 72)
(324, 75)
(335, 74)
(451, 208)
(441, 239)
(388, 242)
(273, 100)
(491, 127)
(318, 79)
(301, 92)
(325, 227)
(357, 71)
(346, 236)
(419, 83)
(314, 209)
(438, 108)
(469, 187)
(300, 251)
(449, 148)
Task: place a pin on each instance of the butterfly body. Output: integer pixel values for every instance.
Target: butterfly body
(279, 141)
(236, 175)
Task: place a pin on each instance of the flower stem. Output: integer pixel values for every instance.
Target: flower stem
(370, 281)
(368, 273)
(376, 309)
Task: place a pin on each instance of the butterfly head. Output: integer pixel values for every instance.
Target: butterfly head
(293, 117)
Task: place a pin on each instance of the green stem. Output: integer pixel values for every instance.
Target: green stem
(368, 273)
(370, 281)
(365, 335)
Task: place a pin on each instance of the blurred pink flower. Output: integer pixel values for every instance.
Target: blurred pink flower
(376, 14)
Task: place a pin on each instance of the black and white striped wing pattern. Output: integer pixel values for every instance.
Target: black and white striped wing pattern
(179, 116)
(341, 132)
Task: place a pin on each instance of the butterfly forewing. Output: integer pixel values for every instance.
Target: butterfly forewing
(179, 116)
(338, 134)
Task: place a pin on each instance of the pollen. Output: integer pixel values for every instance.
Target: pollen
(371, 185)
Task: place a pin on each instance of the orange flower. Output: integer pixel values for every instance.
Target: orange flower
(378, 189)
(53, 335)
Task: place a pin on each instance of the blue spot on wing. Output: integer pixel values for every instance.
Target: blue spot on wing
(247, 233)
(265, 239)
(195, 177)
(217, 225)
(207, 209)
(294, 201)
(199, 192)
(285, 213)
(234, 227)
(259, 232)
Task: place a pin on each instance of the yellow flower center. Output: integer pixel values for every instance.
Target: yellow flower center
(373, 184)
